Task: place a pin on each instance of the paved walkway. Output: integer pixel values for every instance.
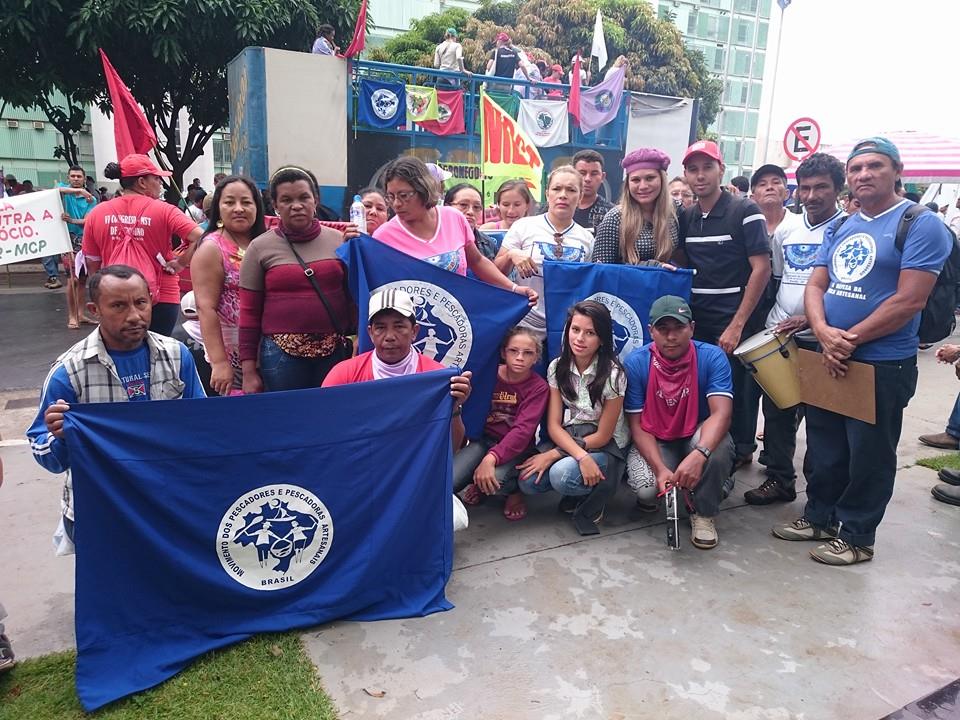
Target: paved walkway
(550, 625)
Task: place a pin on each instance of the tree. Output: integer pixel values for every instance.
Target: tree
(659, 62)
(171, 53)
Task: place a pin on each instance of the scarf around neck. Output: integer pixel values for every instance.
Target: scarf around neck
(672, 405)
(382, 370)
(308, 233)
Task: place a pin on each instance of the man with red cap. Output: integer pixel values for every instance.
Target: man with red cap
(725, 240)
(503, 61)
(135, 229)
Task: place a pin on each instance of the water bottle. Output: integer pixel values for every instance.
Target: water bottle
(358, 214)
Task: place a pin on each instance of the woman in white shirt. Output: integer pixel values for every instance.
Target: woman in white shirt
(554, 235)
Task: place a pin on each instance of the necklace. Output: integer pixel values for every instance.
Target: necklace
(558, 237)
(239, 252)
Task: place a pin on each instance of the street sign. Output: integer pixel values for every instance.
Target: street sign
(802, 138)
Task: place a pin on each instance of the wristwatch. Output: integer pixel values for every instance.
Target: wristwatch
(705, 451)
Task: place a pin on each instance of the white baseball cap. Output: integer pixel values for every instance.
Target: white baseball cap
(397, 300)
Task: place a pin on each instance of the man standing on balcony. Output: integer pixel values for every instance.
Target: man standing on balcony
(503, 61)
(449, 57)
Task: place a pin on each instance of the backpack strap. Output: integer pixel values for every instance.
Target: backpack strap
(906, 220)
(835, 228)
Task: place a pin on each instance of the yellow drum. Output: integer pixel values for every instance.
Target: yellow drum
(773, 360)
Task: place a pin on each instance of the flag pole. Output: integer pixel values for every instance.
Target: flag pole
(773, 88)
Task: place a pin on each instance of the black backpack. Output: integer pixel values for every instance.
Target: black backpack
(937, 319)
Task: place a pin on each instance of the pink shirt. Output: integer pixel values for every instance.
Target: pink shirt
(445, 249)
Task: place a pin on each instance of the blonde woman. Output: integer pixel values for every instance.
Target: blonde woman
(643, 228)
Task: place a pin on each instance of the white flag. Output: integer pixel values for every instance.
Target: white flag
(599, 49)
(545, 121)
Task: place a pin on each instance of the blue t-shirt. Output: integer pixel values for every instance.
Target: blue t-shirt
(133, 367)
(864, 268)
(713, 377)
(76, 207)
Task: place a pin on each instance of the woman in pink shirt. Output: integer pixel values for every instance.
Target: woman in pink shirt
(428, 231)
(135, 229)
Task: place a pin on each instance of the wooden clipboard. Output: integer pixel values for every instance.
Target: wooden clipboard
(853, 395)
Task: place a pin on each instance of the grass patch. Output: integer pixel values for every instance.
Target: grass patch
(939, 462)
(268, 676)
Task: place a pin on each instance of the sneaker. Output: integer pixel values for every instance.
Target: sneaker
(703, 532)
(949, 476)
(840, 552)
(946, 493)
(944, 441)
(801, 529)
(7, 660)
(53, 283)
(770, 492)
(647, 507)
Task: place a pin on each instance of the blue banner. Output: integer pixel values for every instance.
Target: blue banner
(462, 321)
(382, 104)
(275, 511)
(627, 290)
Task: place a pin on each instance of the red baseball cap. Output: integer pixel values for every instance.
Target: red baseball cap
(137, 165)
(503, 37)
(703, 147)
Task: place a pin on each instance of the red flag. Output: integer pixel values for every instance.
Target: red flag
(573, 104)
(359, 33)
(132, 132)
(450, 107)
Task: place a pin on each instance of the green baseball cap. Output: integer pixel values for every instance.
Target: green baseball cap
(876, 144)
(452, 31)
(671, 306)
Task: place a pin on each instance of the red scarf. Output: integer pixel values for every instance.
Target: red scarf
(304, 235)
(672, 405)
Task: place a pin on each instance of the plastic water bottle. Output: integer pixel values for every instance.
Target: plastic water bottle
(358, 214)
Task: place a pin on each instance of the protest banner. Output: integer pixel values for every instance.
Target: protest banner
(507, 149)
(31, 227)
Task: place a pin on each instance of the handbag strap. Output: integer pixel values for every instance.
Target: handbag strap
(311, 276)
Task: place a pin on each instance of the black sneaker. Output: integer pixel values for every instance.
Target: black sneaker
(770, 492)
(569, 503)
(7, 660)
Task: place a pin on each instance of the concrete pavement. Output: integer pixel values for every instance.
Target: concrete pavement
(551, 625)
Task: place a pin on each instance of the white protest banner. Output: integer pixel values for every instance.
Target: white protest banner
(31, 227)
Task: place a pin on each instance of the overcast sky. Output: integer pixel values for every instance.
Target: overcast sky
(859, 67)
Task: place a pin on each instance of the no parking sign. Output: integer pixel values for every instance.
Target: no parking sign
(802, 138)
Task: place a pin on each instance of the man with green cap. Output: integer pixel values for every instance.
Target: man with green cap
(679, 403)
(863, 303)
(449, 56)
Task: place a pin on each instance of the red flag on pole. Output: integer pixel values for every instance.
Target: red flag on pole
(132, 132)
(359, 33)
(573, 104)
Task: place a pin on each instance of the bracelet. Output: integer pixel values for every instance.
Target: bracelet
(514, 288)
(582, 457)
(457, 412)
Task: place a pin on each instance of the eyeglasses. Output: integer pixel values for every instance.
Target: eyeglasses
(558, 247)
(465, 206)
(401, 197)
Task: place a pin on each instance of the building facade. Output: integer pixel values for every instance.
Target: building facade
(733, 37)
(393, 17)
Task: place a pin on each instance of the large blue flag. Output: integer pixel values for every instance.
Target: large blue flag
(462, 320)
(628, 291)
(382, 104)
(201, 522)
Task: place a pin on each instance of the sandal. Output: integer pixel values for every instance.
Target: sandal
(73, 325)
(515, 508)
(84, 320)
(472, 495)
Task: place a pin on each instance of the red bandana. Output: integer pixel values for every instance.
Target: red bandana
(672, 404)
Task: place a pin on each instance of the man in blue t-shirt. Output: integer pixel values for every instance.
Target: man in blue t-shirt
(863, 303)
(77, 203)
(119, 361)
(679, 402)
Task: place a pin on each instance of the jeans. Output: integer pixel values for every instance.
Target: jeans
(466, 461)
(565, 477)
(854, 464)
(164, 317)
(953, 424)
(709, 492)
(281, 371)
(51, 265)
(746, 395)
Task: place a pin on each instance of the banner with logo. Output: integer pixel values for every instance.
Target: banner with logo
(421, 103)
(628, 291)
(506, 148)
(449, 114)
(382, 104)
(545, 121)
(31, 227)
(462, 321)
(254, 523)
(600, 104)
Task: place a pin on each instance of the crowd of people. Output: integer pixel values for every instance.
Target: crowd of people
(270, 310)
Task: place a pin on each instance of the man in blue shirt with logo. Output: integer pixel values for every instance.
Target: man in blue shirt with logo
(77, 203)
(119, 361)
(863, 303)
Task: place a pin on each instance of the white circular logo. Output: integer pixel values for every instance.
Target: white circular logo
(445, 332)
(274, 537)
(384, 103)
(627, 327)
(854, 258)
(444, 113)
